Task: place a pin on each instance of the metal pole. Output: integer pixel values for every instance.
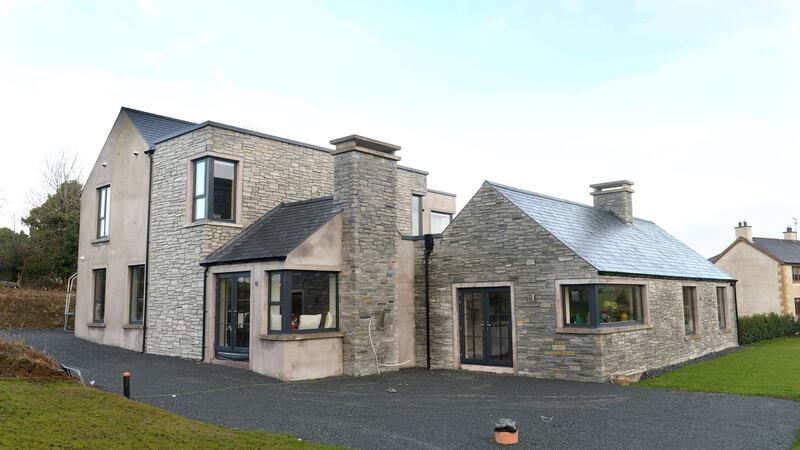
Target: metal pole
(126, 384)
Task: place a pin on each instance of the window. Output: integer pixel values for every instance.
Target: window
(722, 311)
(302, 301)
(689, 310)
(136, 294)
(416, 215)
(796, 274)
(214, 196)
(602, 305)
(797, 307)
(439, 221)
(103, 200)
(99, 311)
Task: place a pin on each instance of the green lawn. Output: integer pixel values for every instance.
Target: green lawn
(37, 414)
(767, 368)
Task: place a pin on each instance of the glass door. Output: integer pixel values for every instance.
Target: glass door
(485, 326)
(233, 316)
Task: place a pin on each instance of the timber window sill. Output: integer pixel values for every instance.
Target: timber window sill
(96, 325)
(603, 330)
(302, 336)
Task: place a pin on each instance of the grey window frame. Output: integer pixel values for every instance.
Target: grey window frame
(419, 227)
(795, 274)
(590, 290)
(285, 303)
(693, 309)
(449, 215)
(103, 203)
(722, 307)
(97, 298)
(209, 189)
(133, 297)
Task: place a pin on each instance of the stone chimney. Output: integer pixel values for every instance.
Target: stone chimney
(365, 184)
(790, 234)
(744, 230)
(615, 196)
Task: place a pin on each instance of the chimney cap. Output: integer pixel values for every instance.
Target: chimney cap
(789, 230)
(355, 140)
(612, 186)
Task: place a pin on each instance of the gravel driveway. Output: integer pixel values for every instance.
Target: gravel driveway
(435, 409)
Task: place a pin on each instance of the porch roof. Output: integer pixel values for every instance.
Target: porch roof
(276, 233)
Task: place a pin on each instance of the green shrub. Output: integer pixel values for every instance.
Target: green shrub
(760, 327)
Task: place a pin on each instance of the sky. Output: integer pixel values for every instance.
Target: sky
(697, 102)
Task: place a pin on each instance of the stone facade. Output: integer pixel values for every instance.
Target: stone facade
(492, 241)
(269, 172)
(368, 293)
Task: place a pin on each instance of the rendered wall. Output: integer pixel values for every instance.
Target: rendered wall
(758, 288)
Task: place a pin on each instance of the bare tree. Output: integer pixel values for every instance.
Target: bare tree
(59, 168)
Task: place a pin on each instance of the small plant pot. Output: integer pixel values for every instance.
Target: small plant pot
(506, 437)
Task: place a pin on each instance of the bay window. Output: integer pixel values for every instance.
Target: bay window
(214, 190)
(302, 301)
(601, 305)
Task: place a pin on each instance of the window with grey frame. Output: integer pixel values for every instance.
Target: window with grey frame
(690, 310)
(601, 305)
(722, 310)
(439, 221)
(796, 274)
(99, 303)
(136, 294)
(214, 190)
(103, 201)
(303, 301)
(416, 215)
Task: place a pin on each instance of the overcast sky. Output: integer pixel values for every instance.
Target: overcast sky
(696, 102)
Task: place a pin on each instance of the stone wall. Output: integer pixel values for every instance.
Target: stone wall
(271, 171)
(363, 184)
(408, 182)
(491, 240)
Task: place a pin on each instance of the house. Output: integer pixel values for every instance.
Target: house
(768, 271)
(296, 261)
(212, 242)
(529, 284)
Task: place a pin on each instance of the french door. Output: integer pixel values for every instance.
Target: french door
(233, 316)
(485, 326)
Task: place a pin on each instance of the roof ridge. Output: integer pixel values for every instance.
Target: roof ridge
(562, 200)
(161, 116)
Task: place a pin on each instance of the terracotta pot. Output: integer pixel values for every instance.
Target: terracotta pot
(506, 437)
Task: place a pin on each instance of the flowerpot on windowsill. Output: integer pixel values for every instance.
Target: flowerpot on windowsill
(506, 437)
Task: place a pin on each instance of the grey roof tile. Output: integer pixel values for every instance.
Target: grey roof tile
(153, 126)
(785, 250)
(276, 233)
(608, 243)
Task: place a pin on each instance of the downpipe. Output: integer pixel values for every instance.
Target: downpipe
(428, 251)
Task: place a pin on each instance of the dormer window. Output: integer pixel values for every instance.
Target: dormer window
(214, 196)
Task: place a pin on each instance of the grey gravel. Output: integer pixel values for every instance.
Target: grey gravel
(435, 409)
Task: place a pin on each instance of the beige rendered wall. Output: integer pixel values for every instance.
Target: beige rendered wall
(758, 286)
(439, 202)
(128, 176)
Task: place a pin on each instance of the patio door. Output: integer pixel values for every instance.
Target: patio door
(485, 326)
(233, 316)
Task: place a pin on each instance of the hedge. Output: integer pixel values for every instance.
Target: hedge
(760, 327)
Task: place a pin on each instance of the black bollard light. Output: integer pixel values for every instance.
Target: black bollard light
(126, 384)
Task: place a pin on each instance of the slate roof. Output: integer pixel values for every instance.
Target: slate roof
(610, 244)
(152, 127)
(276, 233)
(786, 251)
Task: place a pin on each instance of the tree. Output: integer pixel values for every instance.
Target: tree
(13, 249)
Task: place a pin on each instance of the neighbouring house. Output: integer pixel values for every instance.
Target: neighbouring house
(529, 284)
(297, 261)
(768, 271)
(218, 243)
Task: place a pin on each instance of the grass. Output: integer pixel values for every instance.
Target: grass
(32, 308)
(38, 414)
(767, 368)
